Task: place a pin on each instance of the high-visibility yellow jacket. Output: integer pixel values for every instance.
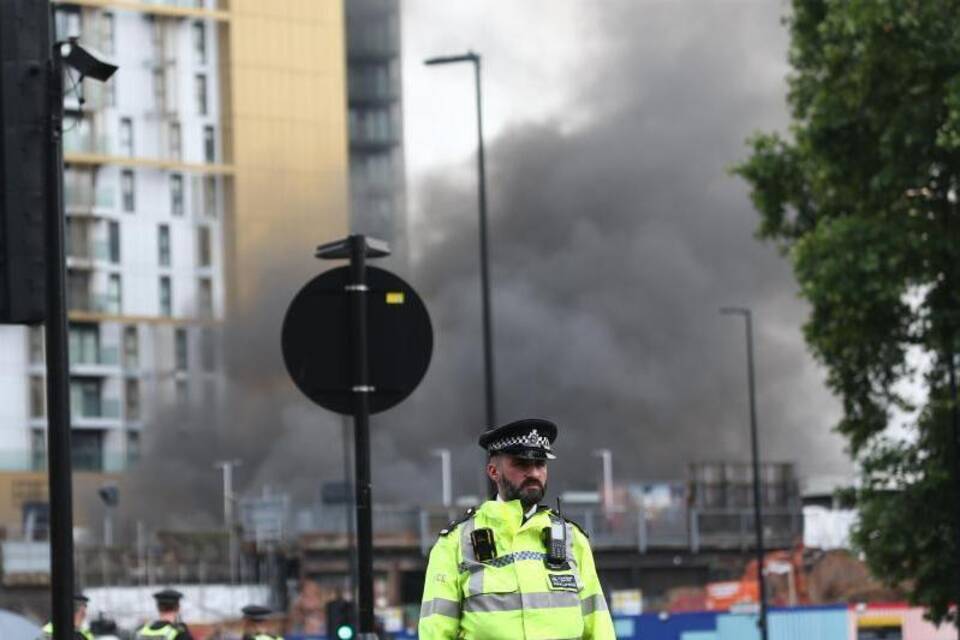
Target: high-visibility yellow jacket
(163, 630)
(513, 596)
(79, 634)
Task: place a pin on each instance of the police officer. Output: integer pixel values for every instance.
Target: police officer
(168, 625)
(511, 568)
(79, 615)
(255, 621)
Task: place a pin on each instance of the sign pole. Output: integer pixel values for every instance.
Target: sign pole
(361, 431)
(58, 376)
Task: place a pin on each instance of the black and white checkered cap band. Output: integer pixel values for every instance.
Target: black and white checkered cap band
(532, 440)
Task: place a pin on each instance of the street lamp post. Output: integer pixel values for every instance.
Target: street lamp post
(606, 456)
(754, 449)
(227, 467)
(444, 455)
(488, 370)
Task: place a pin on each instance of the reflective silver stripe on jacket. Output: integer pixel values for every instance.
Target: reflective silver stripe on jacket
(489, 602)
(592, 604)
(475, 583)
(440, 607)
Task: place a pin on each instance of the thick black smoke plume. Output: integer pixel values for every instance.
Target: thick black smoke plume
(614, 242)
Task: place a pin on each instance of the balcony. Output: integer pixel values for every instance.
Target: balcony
(84, 199)
(92, 303)
(371, 93)
(83, 254)
(86, 459)
(81, 141)
(361, 140)
(96, 97)
(101, 413)
(102, 362)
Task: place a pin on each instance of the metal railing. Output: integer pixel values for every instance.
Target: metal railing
(106, 408)
(107, 356)
(81, 141)
(86, 197)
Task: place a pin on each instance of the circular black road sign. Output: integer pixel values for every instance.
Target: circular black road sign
(316, 340)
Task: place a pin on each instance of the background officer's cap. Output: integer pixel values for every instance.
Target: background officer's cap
(529, 438)
(255, 612)
(79, 598)
(168, 596)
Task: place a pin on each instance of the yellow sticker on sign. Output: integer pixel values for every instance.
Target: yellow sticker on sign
(394, 297)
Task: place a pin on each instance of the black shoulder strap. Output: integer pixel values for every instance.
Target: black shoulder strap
(469, 513)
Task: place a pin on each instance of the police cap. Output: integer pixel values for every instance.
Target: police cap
(168, 596)
(256, 612)
(530, 438)
(79, 598)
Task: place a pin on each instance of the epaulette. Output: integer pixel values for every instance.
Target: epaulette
(469, 513)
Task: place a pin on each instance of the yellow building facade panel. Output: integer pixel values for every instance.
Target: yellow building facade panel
(285, 100)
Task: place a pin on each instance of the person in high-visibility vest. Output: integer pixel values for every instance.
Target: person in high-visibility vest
(79, 615)
(256, 623)
(510, 568)
(168, 625)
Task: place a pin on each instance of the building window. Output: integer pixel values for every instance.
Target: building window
(38, 449)
(107, 33)
(85, 397)
(111, 91)
(163, 245)
(166, 296)
(205, 297)
(131, 347)
(68, 22)
(209, 144)
(176, 194)
(200, 42)
(159, 90)
(210, 195)
(181, 352)
(35, 338)
(127, 187)
(131, 399)
(133, 447)
(114, 294)
(86, 449)
(84, 343)
(113, 238)
(200, 84)
(78, 291)
(126, 136)
(203, 246)
(208, 350)
(38, 397)
(175, 142)
(182, 391)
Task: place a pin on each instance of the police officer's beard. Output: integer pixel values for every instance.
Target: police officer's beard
(529, 493)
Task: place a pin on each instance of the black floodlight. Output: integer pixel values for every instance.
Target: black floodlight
(340, 249)
(86, 63)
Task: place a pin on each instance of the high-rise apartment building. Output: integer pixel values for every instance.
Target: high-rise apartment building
(376, 124)
(221, 138)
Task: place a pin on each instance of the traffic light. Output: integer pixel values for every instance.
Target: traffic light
(340, 620)
(24, 180)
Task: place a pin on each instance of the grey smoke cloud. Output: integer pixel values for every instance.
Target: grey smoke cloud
(614, 241)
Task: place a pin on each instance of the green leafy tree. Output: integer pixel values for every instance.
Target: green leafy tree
(861, 197)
